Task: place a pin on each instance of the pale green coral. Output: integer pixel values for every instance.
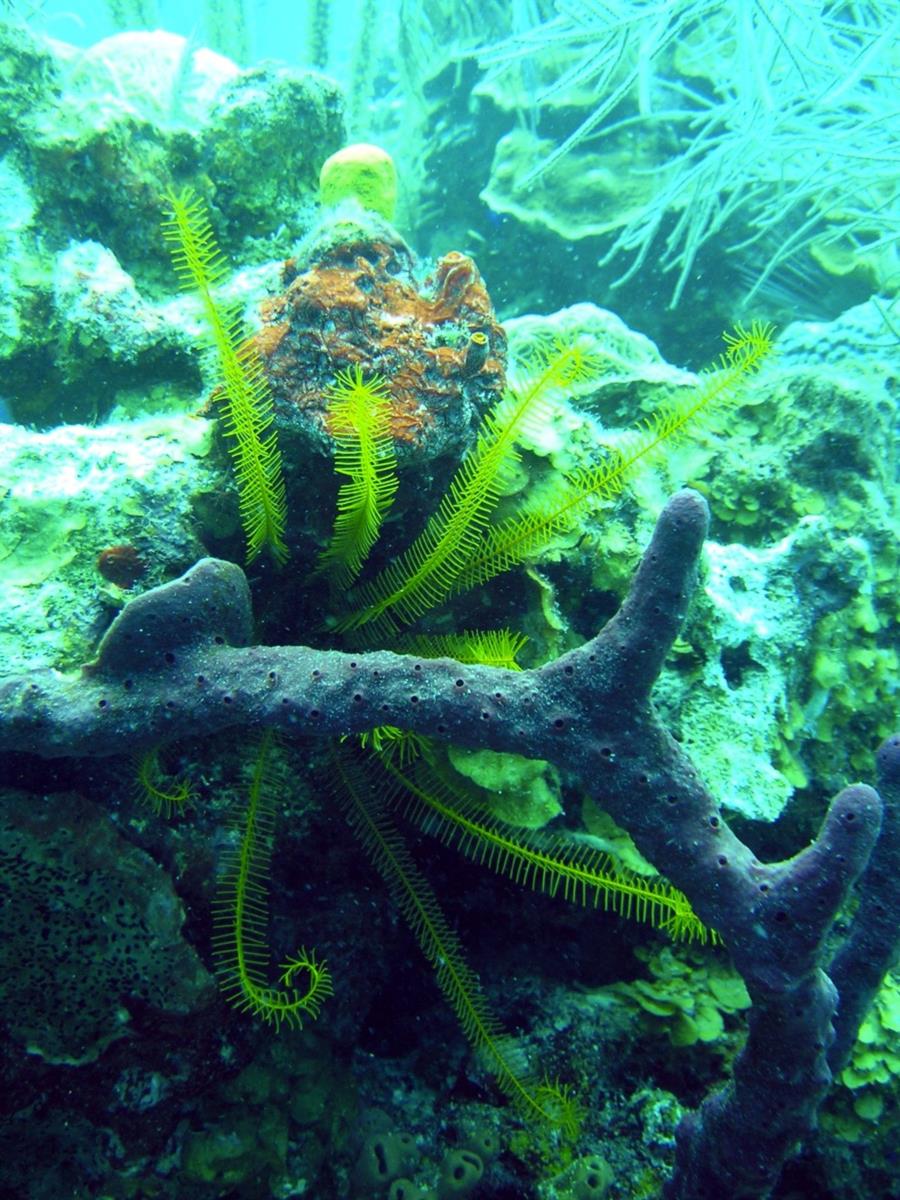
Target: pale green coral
(630, 376)
(242, 1146)
(592, 193)
(522, 792)
(687, 995)
(261, 1123)
(876, 1055)
(871, 1079)
(604, 834)
(629, 381)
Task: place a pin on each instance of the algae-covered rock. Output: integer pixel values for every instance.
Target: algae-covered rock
(105, 148)
(145, 110)
(99, 311)
(112, 77)
(269, 129)
(804, 477)
(732, 702)
(17, 212)
(107, 133)
(30, 75)
(88, 925)
(72, 493)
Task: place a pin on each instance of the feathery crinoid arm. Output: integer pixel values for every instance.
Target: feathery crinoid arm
(241, 910)
(358, 418)
(425, 574)
(247, 402)
(524, 535)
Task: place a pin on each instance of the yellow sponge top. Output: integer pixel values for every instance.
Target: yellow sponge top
(364, 171)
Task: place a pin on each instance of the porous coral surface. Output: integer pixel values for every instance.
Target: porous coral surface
(88, 925)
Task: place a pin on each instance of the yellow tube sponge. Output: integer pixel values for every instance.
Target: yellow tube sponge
(363, 171)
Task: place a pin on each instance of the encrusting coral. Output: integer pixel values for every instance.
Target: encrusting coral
(355, 300)
(90, 932)
(178, 662)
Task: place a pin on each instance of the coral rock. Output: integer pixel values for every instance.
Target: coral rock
(358, 300)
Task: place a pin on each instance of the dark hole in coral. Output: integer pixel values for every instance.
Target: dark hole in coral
(736, 662)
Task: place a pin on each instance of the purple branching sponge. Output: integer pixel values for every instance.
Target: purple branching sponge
(872, 945)
(176, 662)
